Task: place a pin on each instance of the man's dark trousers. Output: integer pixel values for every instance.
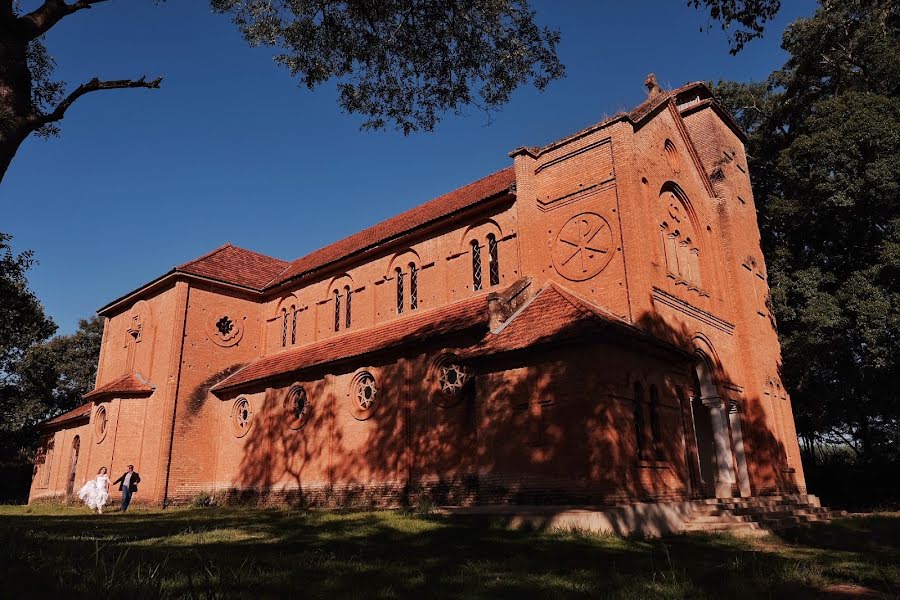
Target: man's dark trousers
(126, 497)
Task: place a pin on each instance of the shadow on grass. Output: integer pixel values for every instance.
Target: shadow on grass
(217, 553)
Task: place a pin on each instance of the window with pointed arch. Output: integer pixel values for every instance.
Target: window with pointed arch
(679, 241)
(293, 325)
(284, 327)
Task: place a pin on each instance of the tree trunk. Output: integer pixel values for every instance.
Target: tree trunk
(16, 110)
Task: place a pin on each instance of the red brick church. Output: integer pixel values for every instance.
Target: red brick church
(587, 326)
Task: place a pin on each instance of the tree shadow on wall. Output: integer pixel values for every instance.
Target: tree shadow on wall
(551, 425)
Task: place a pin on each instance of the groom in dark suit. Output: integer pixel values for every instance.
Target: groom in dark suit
(128, 485)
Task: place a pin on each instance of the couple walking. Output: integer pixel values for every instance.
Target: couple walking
(95, 492)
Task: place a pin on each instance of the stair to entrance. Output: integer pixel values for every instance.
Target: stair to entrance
(758, 514)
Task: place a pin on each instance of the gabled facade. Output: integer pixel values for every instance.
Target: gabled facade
(588, 325)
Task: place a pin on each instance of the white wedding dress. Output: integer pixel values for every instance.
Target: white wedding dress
(95, 492)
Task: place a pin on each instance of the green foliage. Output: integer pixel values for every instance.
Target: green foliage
(745, 18)
(39, 377)
(22, 319)
(54, 375)
(402, 63)
(825, 156)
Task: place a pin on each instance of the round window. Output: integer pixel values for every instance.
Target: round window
(101, 423)
(449, 379)
(364, 395)
(241, 417)
(298, 407)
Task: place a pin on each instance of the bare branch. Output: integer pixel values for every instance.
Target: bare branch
(40, 20)
(93, 85)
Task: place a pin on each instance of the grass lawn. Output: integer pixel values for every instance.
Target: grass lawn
(224, 552)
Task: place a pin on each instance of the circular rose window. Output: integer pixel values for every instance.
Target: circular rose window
(450, 378)
(241, 417)
(298, 407)
(363, 395)
(101, 423)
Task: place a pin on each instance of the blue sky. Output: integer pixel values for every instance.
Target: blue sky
(231, 150)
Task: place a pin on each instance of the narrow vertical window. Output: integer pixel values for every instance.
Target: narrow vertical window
(337, 311)
(695, 267)
(399, 290)
(476, 266)
(413, 287)
(639, 418)
(349, 293)
(683, 252)
(494, 258)
(654, 420)
(293, 325)
(671, 252)
(284, 319)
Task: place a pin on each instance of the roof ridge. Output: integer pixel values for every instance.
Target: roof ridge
(415, 326)
(280, 278)
(205, 256)
(584, 305)
(635, 115)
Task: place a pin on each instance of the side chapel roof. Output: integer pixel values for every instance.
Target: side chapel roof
(131, 384)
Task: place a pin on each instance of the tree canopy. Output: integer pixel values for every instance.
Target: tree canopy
(825, 156)
(400, 64)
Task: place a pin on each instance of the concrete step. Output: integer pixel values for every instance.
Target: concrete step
(720, 526)
(759, 514)
(721, 519)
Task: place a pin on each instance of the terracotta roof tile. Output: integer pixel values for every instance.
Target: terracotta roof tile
(467, 314)
(556, 314)
(442, 206)
(132, 384)
(82, 411)
(238, 266)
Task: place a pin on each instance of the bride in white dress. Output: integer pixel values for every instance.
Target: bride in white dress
(95, 492)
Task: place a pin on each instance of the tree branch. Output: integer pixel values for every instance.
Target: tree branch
(93, 85)
(40, 20)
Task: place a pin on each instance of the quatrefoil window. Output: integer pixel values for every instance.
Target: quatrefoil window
(224, 325)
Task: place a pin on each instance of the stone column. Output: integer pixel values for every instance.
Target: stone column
(740, 456)
(722, 444)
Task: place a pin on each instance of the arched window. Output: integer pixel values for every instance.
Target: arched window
(400, 292)
(349, 293)
(680, 248)
(476, 266)
(413, 287)
(494, 260)
(337, 310)
(284, 329)
(293, 325)
(638, 402)
(654, 421)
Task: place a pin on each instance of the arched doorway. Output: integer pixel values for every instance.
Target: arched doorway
(712, 432)
(73, 465)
